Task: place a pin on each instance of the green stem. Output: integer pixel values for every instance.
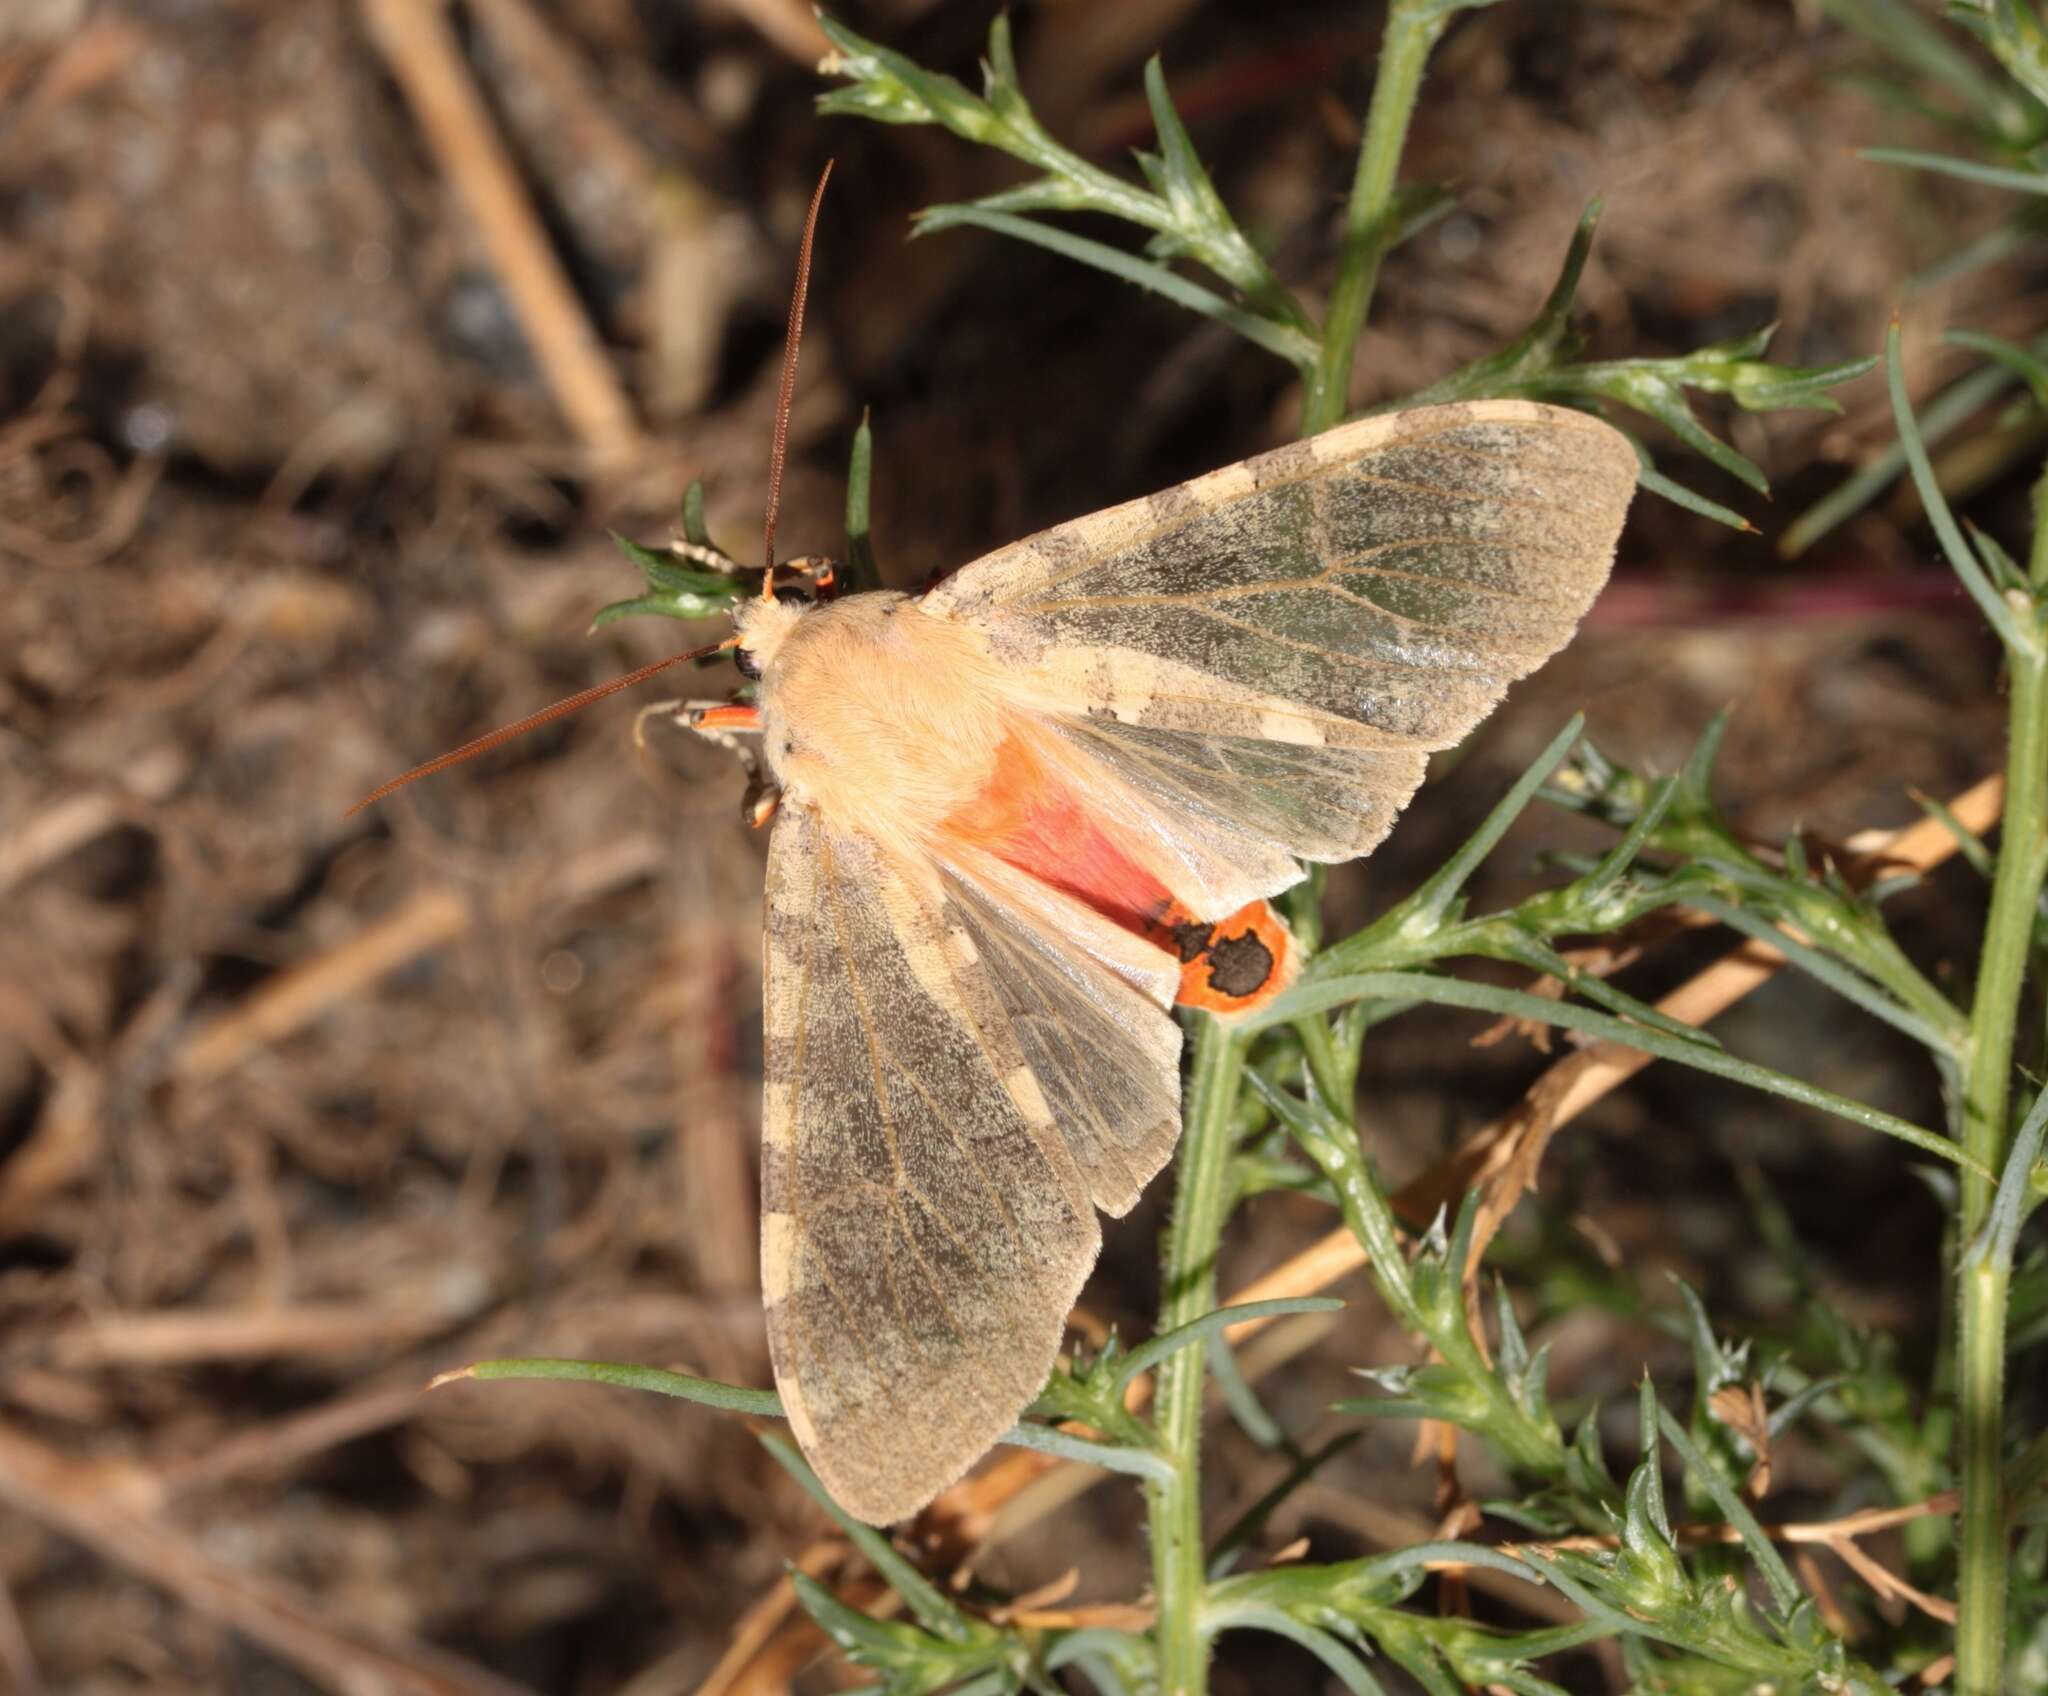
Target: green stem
(1412, 30)
(2037, 555)
(1986, 1116)
(1980, 1572)
(1200, 1206)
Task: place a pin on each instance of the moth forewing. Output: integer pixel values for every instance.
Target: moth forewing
(1575, 465)
(927, 1228)
(1275, 645)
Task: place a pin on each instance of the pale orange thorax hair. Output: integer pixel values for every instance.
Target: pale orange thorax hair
(885, 719)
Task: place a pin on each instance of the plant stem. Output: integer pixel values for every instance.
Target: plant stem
(1986, 1116)
(1179, 1573)
(1412, 30)
(1202, 1203)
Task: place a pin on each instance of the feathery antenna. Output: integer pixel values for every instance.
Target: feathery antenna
(787, 398)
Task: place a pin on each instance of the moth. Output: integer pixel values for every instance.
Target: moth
(1024, 815)
(1020, 818)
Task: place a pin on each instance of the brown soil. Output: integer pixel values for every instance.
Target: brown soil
(297, 1109)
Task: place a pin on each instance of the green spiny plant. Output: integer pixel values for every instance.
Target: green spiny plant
(1708, 1605)
(2000, 125)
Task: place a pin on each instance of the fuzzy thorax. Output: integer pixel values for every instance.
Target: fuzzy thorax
(879, 715)
(764, 625)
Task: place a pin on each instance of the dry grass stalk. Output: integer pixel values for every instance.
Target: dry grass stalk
(111, 1509)
(419, 47)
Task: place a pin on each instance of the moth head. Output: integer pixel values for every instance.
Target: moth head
(764, 625)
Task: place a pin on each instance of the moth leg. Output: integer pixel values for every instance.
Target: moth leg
(816, 578)
(673, 712)
(821, 577)
(723, 722)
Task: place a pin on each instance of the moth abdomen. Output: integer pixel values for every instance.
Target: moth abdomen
(1230, 965)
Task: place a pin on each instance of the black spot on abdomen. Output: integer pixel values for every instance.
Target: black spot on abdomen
(1240, 965)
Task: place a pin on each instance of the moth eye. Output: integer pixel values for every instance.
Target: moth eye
(791, 594)
(745, 664)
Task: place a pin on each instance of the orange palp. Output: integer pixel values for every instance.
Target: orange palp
(731, 715)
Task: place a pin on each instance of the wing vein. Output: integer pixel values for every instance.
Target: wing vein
(1322, 582)
(1316, 471)
(1049, 1013)
(1362, 662)
(876, 1053)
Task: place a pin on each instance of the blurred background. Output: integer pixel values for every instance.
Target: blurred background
(334, 334)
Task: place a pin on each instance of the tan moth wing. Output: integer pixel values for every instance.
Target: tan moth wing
(1087, 1003)
(964, 1062)
(953, 1087)
(1268, 652)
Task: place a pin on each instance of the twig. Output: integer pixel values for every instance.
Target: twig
(430, 919)
(522, 33)
(59, 1150)
(117, 523)
(17, 1659)
(691, 269)
(268, 1450)
(296, 997)
(756, 1627)
(178, 1336)
(417, 44)
(1826, 1532)
(393, 1396)
(1885, 1582)
(1838, 1536)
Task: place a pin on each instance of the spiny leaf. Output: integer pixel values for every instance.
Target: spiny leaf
(862, 572)
(1961, 560)
(732, 1398)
